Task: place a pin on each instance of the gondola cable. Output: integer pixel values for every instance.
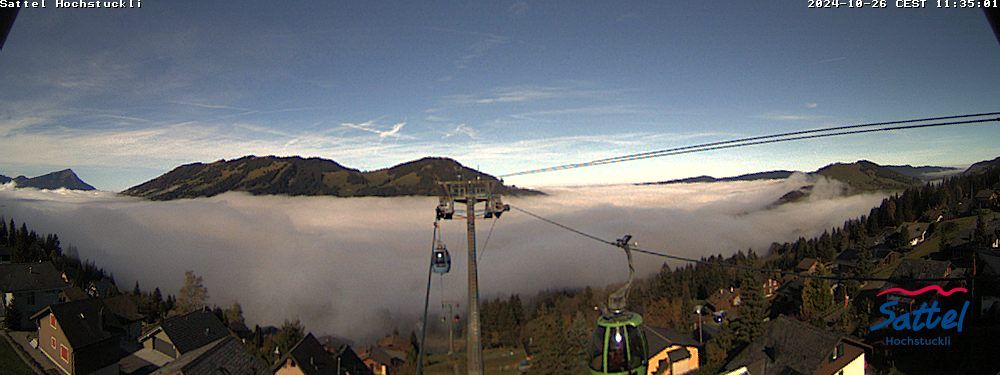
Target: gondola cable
(775, 138)
(729, 265)
(486, 243)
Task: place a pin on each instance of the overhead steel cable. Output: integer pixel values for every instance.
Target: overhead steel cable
(723, 263)
(775, 138)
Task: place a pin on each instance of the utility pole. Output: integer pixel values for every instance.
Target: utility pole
(472, 192)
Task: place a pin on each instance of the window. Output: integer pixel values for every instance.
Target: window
(636, 347)
(597, 350)
(617, 352)
(837, 352)
(52, 341)
(52, 321)
(64, 353)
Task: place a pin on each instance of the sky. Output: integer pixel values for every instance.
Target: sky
(124, 95)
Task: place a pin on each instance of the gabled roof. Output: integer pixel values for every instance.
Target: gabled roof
(16, 277)
(787, 346)
(658, 339)
(190, 331)
(81, 321)
(806, 263)
(310, 357)
(221, 356)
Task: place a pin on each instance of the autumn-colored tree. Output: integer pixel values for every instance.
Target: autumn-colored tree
(192, 295)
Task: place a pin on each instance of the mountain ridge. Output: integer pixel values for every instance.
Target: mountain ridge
(861, 175)
(298, 176)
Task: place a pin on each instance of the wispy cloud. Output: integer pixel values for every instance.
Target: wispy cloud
(369, 126)
(212, 106)
(788, 117)
(526, 94)
(599, 110)
(812, 105)
(461, 129)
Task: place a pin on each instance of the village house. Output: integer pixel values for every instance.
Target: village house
(671, 352)
(226, 355)
(986, 198)
(71, 294)
(807, 265)
(79, 337)
(26, 288)
(788, 346)
(102, 288)
(723, 303)
(917, 232)
(988, 290)
(881, 256)
(184, 333)
(770, 287)
(309, 357)
(126, 310)
(788, 297)
(380, 361)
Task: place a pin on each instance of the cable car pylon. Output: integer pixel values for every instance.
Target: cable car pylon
(618, 341)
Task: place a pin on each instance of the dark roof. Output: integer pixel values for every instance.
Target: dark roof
(125, 307)
(81, 321)
(806, 263)
(678, 354)
(191, 331)
(379, 355)
(17, 277)
(984, 193)
(921, 268)
(310, 357)
(226, 353)
(991, 259)
(658, 339)
(786, 346)
(722, 300)
(74, 294)
(334, 343)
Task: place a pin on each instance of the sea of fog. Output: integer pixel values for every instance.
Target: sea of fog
(357, 267)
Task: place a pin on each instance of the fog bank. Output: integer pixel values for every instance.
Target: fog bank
(356, 267)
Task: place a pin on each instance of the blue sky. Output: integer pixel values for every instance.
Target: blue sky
(122, 96)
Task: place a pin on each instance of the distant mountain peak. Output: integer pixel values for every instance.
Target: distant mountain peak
(64, 179)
